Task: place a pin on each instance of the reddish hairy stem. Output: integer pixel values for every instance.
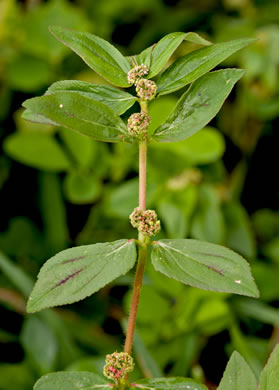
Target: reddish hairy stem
(142, 252)
(142, 175)
(135, 299)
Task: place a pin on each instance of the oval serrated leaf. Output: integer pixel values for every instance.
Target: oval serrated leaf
(37, 150)
(195, 64)
(97, 53)
(169, 384)
(80, 113)
(269, 379)
(71, 381)
(204, 265)
(76, 273)
(119, 101)
(238, 375)
(198, 105)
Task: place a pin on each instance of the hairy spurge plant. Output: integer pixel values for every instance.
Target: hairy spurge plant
(95, 111)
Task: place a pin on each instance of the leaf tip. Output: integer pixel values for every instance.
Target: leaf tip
(30, 307)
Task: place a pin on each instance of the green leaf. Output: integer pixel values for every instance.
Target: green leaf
(198, 105)
(28, 74)
(156, 56)
(208, 221)
(76, 273)
(53, 212)
(269, 379)
(204, 147)
(195, 64)
(170, 384)
(146, 312)
(81, 113)
(241, 343)
(37, 40)
(239, 235)
(36, 118)
(82, 188)
(159, 110)
(37, 150)
(162, 51)
(97, 53)
(119, 101)
(71, 381)
(204, 265)
(174, 220)
(238, 375)
(16, 376)
(258, 310)
(16, 275)
(36, 337)
(83, 150)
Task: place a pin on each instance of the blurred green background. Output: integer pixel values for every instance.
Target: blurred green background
(60, 189)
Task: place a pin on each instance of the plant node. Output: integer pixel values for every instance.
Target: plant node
(145, 221)
(138, 124)
(137, 73)
(118, 365)
(146, 89)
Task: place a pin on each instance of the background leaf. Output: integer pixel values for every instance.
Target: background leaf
(37, 150)
(198, 105)
(82, 188)
(36, 338)
(76, 273)
(204, 265)
(208, 221)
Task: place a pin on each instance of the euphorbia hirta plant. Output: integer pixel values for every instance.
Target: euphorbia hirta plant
(95, 111)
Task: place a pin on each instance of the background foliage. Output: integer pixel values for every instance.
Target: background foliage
(60, 189)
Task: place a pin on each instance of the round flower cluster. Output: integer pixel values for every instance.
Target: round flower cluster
(145, 221)
(146, 89)
(138, 124)
(135, 74)
(118, 365)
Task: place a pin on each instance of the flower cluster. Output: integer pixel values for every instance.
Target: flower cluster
(146, 89)
(118, 365)
(138, 124)
(145, 221)
(137, 73)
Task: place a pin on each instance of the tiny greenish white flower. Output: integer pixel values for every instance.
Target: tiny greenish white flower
(138, 124)
(137, 73)
(118, 365)
(146, 89)
(146, 221)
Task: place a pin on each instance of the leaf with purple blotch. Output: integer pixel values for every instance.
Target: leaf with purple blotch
(76, 273)
(204, 265)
